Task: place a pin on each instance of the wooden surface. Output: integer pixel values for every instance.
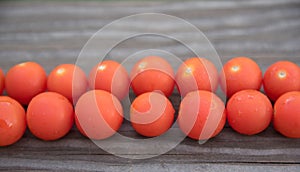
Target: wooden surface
(54, 32)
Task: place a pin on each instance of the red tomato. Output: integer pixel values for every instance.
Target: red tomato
(151, 114)
(249, 112)
(1, 81)
(24, 81)
(196, 74)
(240, 73)
(286, 119)
(281, 77)
(12, 121)
(99, 114)
(152, 73)
(50, 116)
(68, 80)
(201, 115)
(110, 76)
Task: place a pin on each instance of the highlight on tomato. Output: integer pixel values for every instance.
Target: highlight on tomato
(110, 76)
(201, 115)
(286, 119)
(68, 80)
(99, 114)
(151, 114)
(12, 121)
(281, 77)
(196, 74)
(24, 81)
(50, 116)
(249, 112)
(240, 73)
(152, 73)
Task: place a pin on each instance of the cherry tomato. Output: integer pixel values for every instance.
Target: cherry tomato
(281, 77)
(99, 114)
(110, 76)
(197, 74)
(249, 112)
(201, 115)
(151, 114)
(286, 119)
(1, 81)
(50, 116)
(24, 81)
(69, 80)
(12, 121)
(152, 73)
(240, 73)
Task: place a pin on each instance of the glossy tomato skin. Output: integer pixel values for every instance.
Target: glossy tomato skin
(2, 78)
(281, 77)
(286, 119)
(110, 76)
(240, 73)
(249, 112)
(151, 114)
(50, 116)
(68, 80)
(201, 115)
(99, 114)
(24, 81)
(152, 73)
(12, 121)
(196, 74)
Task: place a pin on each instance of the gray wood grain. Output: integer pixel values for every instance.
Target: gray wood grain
(52, 33)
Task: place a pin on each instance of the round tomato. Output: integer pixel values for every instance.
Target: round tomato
(240, 73)
(69, 80)
(24, 81)
(281, 77)
(99, 114)
(152, 73)
(286, 119)
(110, 76)
(1, 81)
(201, 115)
(196, 74)
(12, 121)
(50, 116)
(151, 114)
(249, 112)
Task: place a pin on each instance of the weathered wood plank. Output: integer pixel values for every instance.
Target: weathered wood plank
(92, 165)
(43, 31)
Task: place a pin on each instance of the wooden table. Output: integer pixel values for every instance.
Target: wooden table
(52, 33)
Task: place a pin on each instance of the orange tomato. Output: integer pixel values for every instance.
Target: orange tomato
(201, 115)
(152, 73)
(69, 80)
(12, 121)
(110, 76)
(249, 112)
(240, 73)
(286, 119)
(99, 114)
(24, 81)
(281, 77)
(196, 74)
(151, 114)
(50, 116)
(1, 81)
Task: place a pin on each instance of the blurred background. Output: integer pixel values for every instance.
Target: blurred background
(54, 32)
